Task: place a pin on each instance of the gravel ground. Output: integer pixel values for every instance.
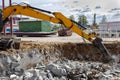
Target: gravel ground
(40, 65)
(41, 60)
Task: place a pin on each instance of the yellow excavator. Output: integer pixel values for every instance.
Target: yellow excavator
(55, 17)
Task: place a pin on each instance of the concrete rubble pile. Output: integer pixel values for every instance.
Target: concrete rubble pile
(32, 65)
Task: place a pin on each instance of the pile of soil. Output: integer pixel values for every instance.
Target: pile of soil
(58, 61)
(73, 51)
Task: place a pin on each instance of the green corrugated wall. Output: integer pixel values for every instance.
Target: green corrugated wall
(34, 26)
(45, 26)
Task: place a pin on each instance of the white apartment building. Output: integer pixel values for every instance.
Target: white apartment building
(109, 29)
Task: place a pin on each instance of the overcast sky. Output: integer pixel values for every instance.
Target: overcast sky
(68, 7)
(53, 4)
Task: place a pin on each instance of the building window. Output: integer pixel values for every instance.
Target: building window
(106, 35)
(113, 35)
(119, 35)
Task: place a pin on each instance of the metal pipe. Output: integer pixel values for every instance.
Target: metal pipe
(3, 6)
(11, 27)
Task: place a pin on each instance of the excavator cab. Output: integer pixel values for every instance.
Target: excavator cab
(7, 41)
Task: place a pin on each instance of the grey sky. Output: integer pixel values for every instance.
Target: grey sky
(63, 5)
(105, 4)
(67, 7)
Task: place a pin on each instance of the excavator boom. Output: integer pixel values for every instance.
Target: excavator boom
(55, 17)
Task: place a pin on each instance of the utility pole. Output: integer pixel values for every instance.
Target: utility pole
(94, 22)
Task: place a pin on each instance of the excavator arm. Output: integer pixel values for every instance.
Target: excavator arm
(55, 17)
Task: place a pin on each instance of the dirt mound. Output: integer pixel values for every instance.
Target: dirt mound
(74, 51)
(58, 61)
